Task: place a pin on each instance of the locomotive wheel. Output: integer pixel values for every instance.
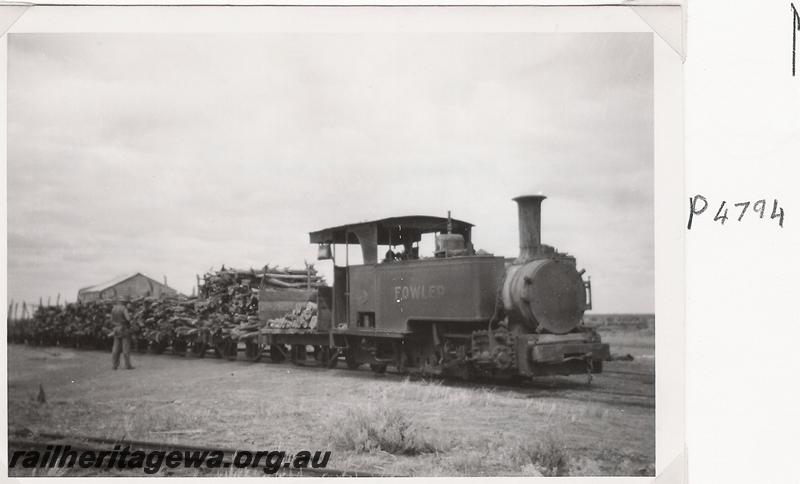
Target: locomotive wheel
(252, 351)
(275, 354)
(401, 357)
(402, 364)
(379, 368)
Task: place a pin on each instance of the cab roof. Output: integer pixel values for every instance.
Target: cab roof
(389, 231)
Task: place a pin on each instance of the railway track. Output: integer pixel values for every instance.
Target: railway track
(546, 387)
(560, 389)
(24, 441)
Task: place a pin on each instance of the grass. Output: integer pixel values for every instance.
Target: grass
(380, 426)
(383, 425)
(551, 457)
(372, 429)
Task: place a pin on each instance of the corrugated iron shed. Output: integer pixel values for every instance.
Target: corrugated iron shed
(126, 286)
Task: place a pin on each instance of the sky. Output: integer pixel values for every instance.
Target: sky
(170, 154)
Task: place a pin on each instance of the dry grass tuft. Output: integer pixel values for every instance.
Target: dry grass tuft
(371, 429)
(502, 453)
(551, 457)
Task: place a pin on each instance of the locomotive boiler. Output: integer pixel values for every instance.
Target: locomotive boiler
(455, 311)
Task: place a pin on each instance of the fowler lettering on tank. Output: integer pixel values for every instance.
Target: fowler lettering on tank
(402, 293)
(436, 290)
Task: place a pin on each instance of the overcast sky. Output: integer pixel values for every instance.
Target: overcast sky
(170, 154)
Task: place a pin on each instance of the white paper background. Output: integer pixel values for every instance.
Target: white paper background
(743, 140)
(743, 143)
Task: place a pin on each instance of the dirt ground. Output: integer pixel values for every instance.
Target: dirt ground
(606, 428)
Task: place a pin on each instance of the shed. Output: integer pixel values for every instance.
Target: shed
(127, 286)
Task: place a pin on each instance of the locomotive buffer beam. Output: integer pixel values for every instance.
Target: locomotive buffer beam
(564, 352)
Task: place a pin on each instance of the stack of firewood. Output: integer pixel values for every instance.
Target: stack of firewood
(304, 316)
(234, 292)
(229, 303)
(71, 324)
(161, 320)
(215, 282)
(227, 308)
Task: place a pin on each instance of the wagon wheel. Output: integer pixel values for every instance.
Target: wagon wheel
(252, 351)
(232, 349)
(379, 368)
(158, 347)
(350, 359)
(198, 349)
(275, 354)
(298, 354)
(219, 347)
(179, 347)
(318, 354)
(326, 357)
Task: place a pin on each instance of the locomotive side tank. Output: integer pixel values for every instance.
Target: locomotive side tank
(457, 289)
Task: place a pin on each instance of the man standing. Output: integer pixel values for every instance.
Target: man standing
(121, 319)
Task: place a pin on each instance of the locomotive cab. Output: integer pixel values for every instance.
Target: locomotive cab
(388, 295)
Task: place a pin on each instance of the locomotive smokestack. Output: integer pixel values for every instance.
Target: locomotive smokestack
(530, 226)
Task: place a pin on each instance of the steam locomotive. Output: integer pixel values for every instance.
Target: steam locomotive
(457, 312)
